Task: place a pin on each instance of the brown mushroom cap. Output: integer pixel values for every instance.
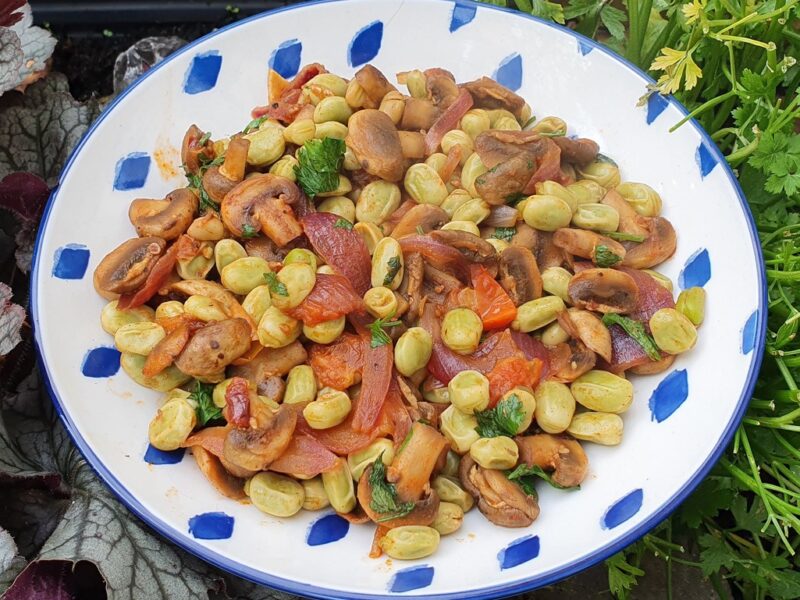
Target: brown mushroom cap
(167, 218)
(584, 243)
(262, 202)
(474, 248)
(658, 247)
(214, 347)
(487, 93)
(570, 360)
(655, 366)
(218, 180)
(424, 511)
(580, 151)
(126, 268)
(375, 85)
(418, 114)
(256, 449)
(271, 362)
(426, 216)
(500, 500)
(589, 329)
(604, 290)
(373, 138)
(560, 454)
(519, 274)
(191, 149)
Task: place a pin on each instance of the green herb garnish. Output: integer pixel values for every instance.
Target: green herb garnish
(504, 233)
(254, 124)
(384, 494)
(394, 268)
(552, 134)
(379, 336)
(420, 230)
(342, 223)
(604, 257)
(524, 476)
(203, 140)
(623, 237)
(503, 419)
(528, 123)
(276, 286)
(636, 330)
(205, 408)
(514, 199)
(206, 203)
(319, 164)
(248, 231)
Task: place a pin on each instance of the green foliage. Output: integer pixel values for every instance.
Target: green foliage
(319, 164)
(205, 408)
(384, 494)
(504, 419)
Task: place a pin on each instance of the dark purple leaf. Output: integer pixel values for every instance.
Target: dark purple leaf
(25, 195)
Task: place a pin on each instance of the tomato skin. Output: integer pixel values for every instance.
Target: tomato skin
(512, 372)
(495, 307)
(156, 277)
(304, 456)
(331, 298)
(237, 402)
(343, 249)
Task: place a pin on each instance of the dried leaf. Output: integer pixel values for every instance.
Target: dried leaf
(12, 316)
(38, 135)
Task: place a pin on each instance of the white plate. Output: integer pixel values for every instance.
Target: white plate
(672, 437)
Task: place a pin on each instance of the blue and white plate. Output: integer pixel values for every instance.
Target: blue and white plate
(680, 421)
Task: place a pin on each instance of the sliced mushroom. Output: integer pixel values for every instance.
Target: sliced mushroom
(526, 237)
(629, 220)
(262, 203)
(221, 478)
(214, 347)
(411, 468)
(212, 289)
(423, 216)
(583, 243)
(256, 449)
(562, 455)
(271, 362)
(126, 268)
(265, 248)
(424, 511)
(548, 254)
(411, 286)
(604, 290)
(658, 247)
(167, 218)
(441, 86)
(570, 360)
(589, 329)
(579, 151)
(191, 149)
(373, 138)
(442, 282)
(505, 180)
(375, 85)
(502, 501)
(218, 180)
(519, 274)
(487, 93)
(419, 114)
(496, 146)
(476, 249)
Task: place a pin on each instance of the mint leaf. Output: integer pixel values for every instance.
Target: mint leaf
(206, 203)
(504, 233)
(524, 475)
(394, 267)
(384, 494)
(248, 231)
(318, 165)
(504, 419)
(378, 336)
(254, 124)
(343, 223)
(604, 257)
(636, 330)
(623, 237)
(275, 285)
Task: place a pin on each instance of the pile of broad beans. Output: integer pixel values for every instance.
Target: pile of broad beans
(397, 304)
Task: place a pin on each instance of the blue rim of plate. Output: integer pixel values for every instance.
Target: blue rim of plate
(304, 589)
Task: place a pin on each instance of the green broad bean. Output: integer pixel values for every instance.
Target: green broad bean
(329, 409)
(554, 334)
(299, 132)
(298, 280)
(601, 171)
(377, 201)
(284, 167)
(672, 331)
(276, 495)
(354, 94)
(301, 385)
(468, 226)
(338, 484)
(331, 129)
(458, 428)
(596, 217)
(600, 428)
(555, 281)
(168, 379)
(341, 206)
(475, 210)
(644, 199)
(553, 188)
(462, 330)
(112, 318)
(498, 245)
(172, 424)
(555, 406)
(546, 213)
(603, 392)
(528, 401)
(266, 145)
(315, 496)
(380, 302)
(332, 108)
(424, 185)
(692, 304)
(343, 188)
(469, 391)
(495, 453)
(325, 332)
(393, 104)
(549, 126)
(663, 280)
(416, 82)
(457, 137)
(369, 232)
(138, 338)
(448, 519)
(507, 124)
(276, 329)
(327, 81)
(257, 302)
(387, 264)
(454, 200)
(410, 542)
(449, 489)
(475, 122)
(359, 460)
(412, 351)
(226, 251)
(472, 169)
(170, 308)
(243, 275)
(199, 266)
(537, 313)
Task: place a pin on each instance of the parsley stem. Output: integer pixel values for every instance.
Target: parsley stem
(702, 108)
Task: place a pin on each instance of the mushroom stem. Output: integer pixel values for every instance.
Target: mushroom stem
(235, 162)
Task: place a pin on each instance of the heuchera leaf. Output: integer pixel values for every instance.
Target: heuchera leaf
(9, 12)
(12, 316)
(35, 45)
(38, 135)
(25, 195)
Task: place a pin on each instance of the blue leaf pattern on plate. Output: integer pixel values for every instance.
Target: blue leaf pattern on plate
(705, 159)
(463, 13)
(584, 46)
(203, 72)
(366, 44)
(70, 261)
(656, 103)
(670, 393)
(750, 333)
(519, 551)
(131, 171)
(623, 509)
(697, 270)
(100, 362)
(509, 73)
(330, 528)
(211, 526)
(154, 456)
(285, 58)
(413, 578)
